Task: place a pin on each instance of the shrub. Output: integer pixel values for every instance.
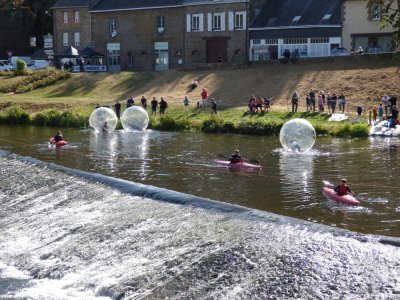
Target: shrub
(212, 125)
(168, 123)
(15, 115)
(21, 68)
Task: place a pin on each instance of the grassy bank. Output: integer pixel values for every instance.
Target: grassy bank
(228, 120)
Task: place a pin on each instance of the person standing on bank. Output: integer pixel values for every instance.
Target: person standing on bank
(213, 106)
(204, 98)
(117, 107)
(295, 101)
(342, 102)
(154, 104)
(130, 102)
(163, 106)
(186, 103)
(143, 101)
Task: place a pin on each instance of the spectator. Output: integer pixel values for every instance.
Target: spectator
(334, 102)
(70, 65)
(359, 111)
(204, 98)
(312, 99)
(374, 113)
(252, 104)
(143, 101)
(259, 103)
(117, 107)
(163, 106)
(380, 112)
(385, 102)
(392, 101)
(154, 104)
(194, 84)
(329, 102)
(186, 103)
(320, 103)
(213, 106)
(130, 102)
(295, 101)
(342, 102)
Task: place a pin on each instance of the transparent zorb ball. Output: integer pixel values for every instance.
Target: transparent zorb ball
(135, 118)
(103, 119)
(297, 135)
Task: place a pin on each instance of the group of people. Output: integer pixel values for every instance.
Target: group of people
(162, 105)
(313, 98)
(259, 104)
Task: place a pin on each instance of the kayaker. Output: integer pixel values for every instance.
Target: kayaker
(58, 137)
(235, 157)
(342, 189)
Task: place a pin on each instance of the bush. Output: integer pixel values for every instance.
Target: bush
(15, 115)
(21, 68)
(355, 131)
(168, 123)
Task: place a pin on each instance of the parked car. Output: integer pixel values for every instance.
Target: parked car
(4, 67)
(37, 64)
(340, 51)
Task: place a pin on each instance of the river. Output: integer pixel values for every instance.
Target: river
(99, 218)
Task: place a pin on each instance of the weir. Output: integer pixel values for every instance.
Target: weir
(68, 234)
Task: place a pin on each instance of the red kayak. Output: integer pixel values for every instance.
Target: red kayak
(331, 194)
(240, 165)
(58, 144)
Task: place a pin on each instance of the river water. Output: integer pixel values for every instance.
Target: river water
(72, 235)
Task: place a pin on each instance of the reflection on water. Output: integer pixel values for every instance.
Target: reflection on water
(287, 184)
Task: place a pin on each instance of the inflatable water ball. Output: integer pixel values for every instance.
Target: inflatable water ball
(100, 116)
(297, 135)
(135, 118)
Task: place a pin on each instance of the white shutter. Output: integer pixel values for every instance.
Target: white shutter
(244, 20)
(209, 21)
(201, 22)
(231, 21)
(223, 21)
(188, 23)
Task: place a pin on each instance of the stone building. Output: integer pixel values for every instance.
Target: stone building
(153, 34)
(215, 31)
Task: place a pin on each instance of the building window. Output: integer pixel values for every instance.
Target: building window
(65, 17)
(376, 12)
(319, 40)
(130, 59)
(271, 41)
(195, 22)
(239, 20)
(76, 17)
(160, 24)
(113, 54)
(65, 39)
(77, 39)
(256, 42)
(113, 27)
(216, 22)
(295, 41)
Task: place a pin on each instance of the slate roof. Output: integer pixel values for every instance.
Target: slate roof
(281, 13)
(70, 3)
(113, 5)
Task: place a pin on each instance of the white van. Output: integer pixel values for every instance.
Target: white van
(14, 59)
(37, 64)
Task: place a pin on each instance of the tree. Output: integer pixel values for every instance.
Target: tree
(38, 20)
(390, 16)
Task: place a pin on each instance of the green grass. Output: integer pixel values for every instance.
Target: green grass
(228, 120)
